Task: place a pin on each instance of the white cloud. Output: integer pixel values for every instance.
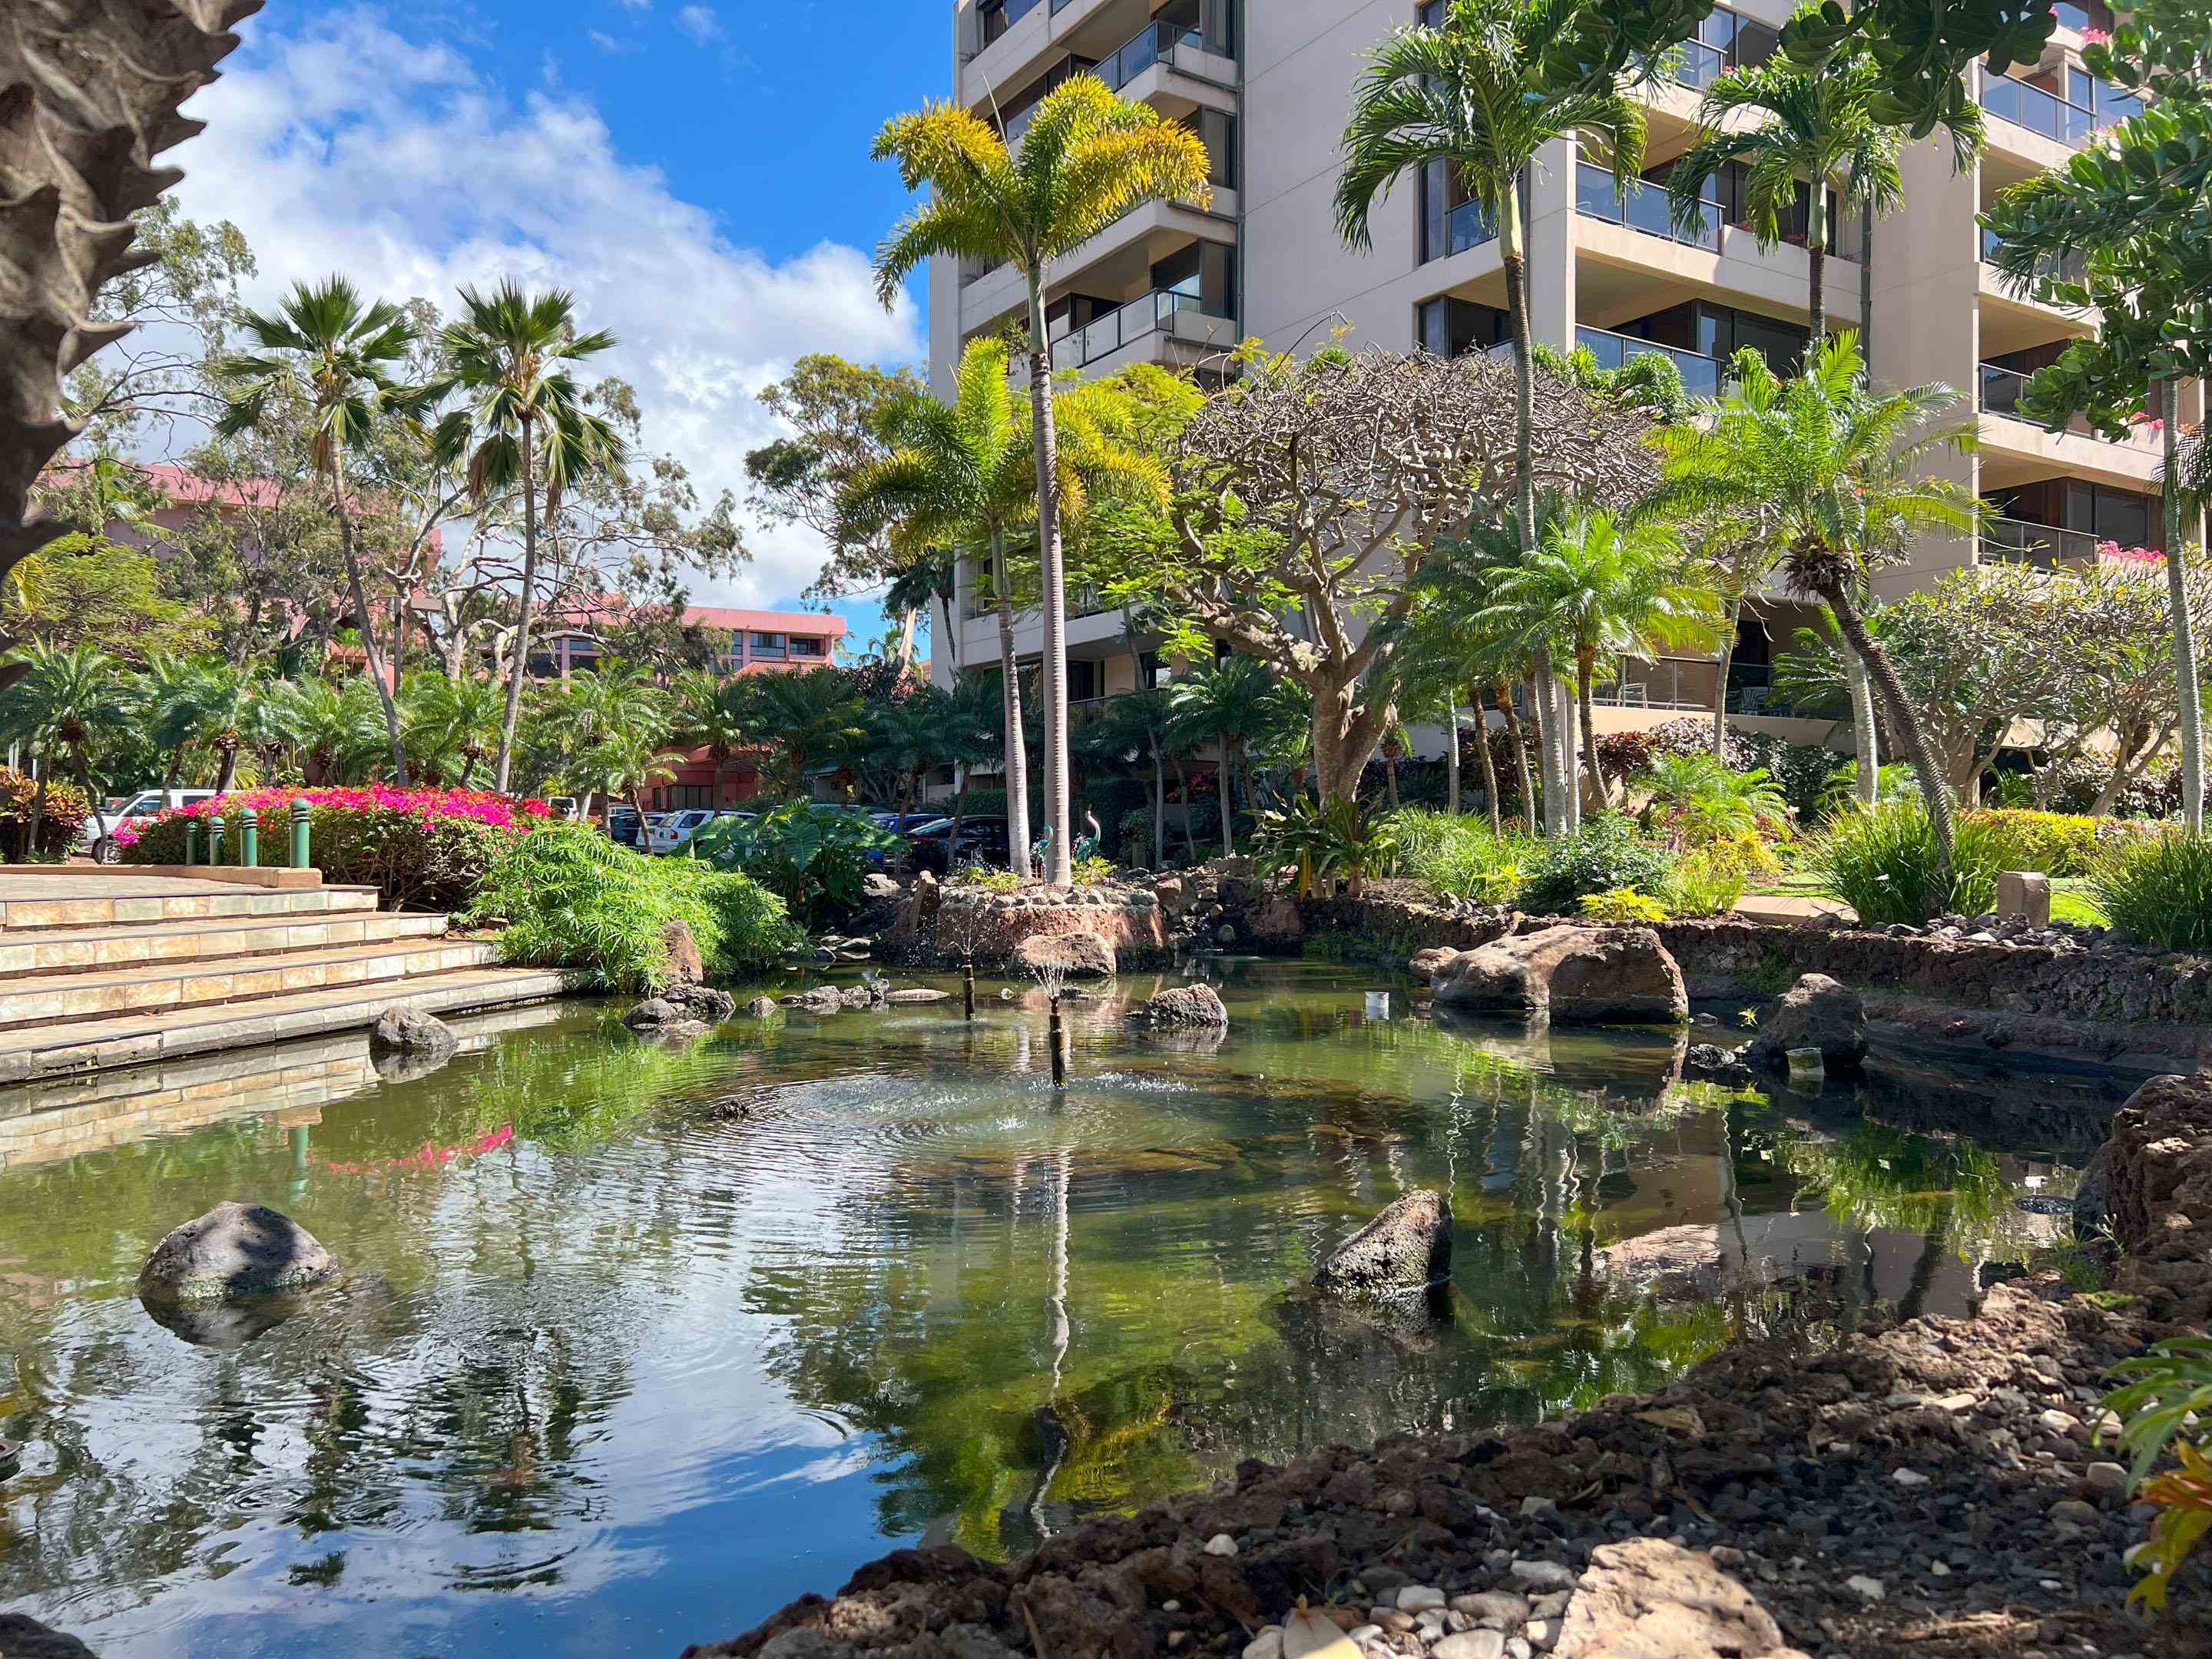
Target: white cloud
(347, 147)
(609, 45)
(700, 23)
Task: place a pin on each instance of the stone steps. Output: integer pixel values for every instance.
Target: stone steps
(99, 993)
(165, 900)
(76, 950)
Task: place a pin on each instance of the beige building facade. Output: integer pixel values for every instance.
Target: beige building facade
(1268, 84)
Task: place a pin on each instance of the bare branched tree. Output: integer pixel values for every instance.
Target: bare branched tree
(1310, 495)
(89, 92)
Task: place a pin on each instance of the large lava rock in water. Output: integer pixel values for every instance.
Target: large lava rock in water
(1185, 1007)
(1816, 1012)
(235, 1249)
(1080, 955)
(24, 1638)
(1577, 975)
(1401, 1252)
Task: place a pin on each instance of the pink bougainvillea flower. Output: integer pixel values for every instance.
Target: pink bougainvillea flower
(474, 806)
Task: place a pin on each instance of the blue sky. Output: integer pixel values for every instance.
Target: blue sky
(698, 174)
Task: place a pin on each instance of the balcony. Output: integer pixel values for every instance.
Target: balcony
(1155, 43)
(2068, 267)
(1644, 208)
(1172, 316)
(2046, 547)
(1701, 375)
(2050, 116)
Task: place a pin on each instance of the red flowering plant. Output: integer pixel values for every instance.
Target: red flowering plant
(421, 848)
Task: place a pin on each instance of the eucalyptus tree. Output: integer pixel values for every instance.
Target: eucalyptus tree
(1843, 469)
(1480, 93)
(527, 424)
(327, 346)
(1086, 159)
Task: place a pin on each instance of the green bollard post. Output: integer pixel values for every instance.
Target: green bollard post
(249, 837)
(215, 839)
(300, 815)
(192, 842)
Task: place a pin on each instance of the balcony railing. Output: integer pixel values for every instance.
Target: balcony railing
(2016, 541)
(1666, 682)
(1701, 375)
(1465, 227)
(2067, 267)
(2054, 117)
(1155, 43)
(1181, 314)
(1644, 208)
(2001, 390)
(1082, 601)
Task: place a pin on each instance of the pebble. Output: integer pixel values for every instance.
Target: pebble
(1470, 1645)
(1420, 1598)
(1870, 1589)
(1957, 1402)
(1552, 1606)
(1267, 1644)
(1363, 1633)
(2108, 1478)
(1544, 1574)
(1516, 1647)
(1908, 1477)
(1221, 1544)
(1502, 1605)
(1538, 1508)
(2072, 1511)
(1939, 1570)
(1542, 1634)
(2059, 1422)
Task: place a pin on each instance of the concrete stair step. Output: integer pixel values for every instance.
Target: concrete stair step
(68, 950)
(138, 1038)
(44, 999)
(137, 904)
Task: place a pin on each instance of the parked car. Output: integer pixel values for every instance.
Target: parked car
(982, 841)
(133, 811)
(664, 836)
(685, 837)
(625, 826)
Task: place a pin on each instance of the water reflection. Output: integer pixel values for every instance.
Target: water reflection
(635, 1343)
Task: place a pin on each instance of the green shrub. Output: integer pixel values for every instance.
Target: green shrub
(1325, 839)
(1882, 861)
(1708, 882)
(66, 810)
(1605, 852)
(1089, 873)
(2160, 1407)
(1457, 856)
(814, 858)
(571, 898)
(2056, 843)
(2158, 889)
(1622, 904)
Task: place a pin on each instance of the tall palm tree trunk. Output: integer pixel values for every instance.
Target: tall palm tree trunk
(1816, 265)
(38, 815)
(960, 771)
(1865, 733)
(1514, 256)
(1883, 673)
(1519, 739)
(1489, 760)
(1585, 673)
(519, 669)
(1183, 795)
(1058, 866)
(2185, 632)
(1451, 751)
(1016, 768)
(1228, 799)
(1721, 679)
(229, 769)
(363, 624)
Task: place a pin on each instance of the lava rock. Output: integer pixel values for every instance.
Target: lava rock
(761, 1007)
(1816, 1012)
(878, 886)
(651, 1015)
(1426, 964)
(401, 1030)
(1403, 1251)
(701, 1002)
(680, 953)
(1575, 975)
(235, 1250)
(1186, 1008)
(25, 1637)
(1077, 954)
(915, 997)
(2094, 1194)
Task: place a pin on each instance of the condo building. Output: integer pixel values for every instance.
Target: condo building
(1267, 84)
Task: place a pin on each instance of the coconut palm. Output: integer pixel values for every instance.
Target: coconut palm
(1842, 471)
(526, 425)
(1236, 703)
(1476, 95)
(1086, 159)
(60, 698)
(327, 347)
(1814, 127)
(1597, 588)
(453, 720)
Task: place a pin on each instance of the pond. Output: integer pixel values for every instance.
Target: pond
(635, 1345)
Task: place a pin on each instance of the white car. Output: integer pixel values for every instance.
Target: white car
(668, 835)
(136, 811)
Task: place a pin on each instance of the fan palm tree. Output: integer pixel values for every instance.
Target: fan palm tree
(1813, 126)
(456, 718)
(324, 345)
(1842, 469)
(1598, 587)
(526, 424)
(60, 700)
(1087, 158)
(1475, 94)
(804, 717)
(1236, 703)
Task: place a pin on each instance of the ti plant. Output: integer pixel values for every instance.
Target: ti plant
(2163, 1403)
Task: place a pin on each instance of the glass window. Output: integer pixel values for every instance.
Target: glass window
(1450, 327)
(768, 642)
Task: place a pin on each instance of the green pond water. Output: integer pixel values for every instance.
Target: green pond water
(635, 1345)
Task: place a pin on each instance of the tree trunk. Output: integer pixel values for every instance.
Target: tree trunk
(362, 622)
(1519, 741)
(2184, 631)
(1390, 778)
(227, 771)
(1865, 733)
(1159, 808)
(1489, 761)
(959, 814)
(38, 814)
(519, 669)
(176, 770)
(1585, 672)
(1182, 795)
(1059, 868)
(1451, 751)
(1547, 763)
(1720, 683)
(1906, 725)
(906, 638)
(1017, 766)
(1228, 801)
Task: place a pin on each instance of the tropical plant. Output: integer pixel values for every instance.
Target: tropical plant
(1884, 861)
(1325, 839)
(1458, 856)
(1843, 472)
(567, 896)
(454, 720)
(327, 349)
(57, 809)
(1846, 787)
(815, 858)
(2157, 888)
(708, 716)
(1478, 96)
(59, 702)
(2166, 1395)
(1234, 703)
(802, 718)
(1707, 881)
(1605, 855)
(1621, 904)
(1697, 799)
(527, 424)
(333, 730)
(1086, 158)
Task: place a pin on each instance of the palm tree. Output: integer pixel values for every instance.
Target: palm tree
(621, 764)
(973, 736)
(908, 733)
(1841, 469)
(456, 718)
(164, 704)
(62, 699)
(1476, 95)
(1086, 159)
(331, 729)
(225, 715)
(527, 425)
(1234, 702)
(1597, 587)
(611, 712)
(803, 717)
(1819, 127)
(707, 718)
(324, 345)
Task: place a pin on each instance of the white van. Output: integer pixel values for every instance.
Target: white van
(136, 811)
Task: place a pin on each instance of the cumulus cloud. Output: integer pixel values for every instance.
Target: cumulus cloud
(346, 146)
